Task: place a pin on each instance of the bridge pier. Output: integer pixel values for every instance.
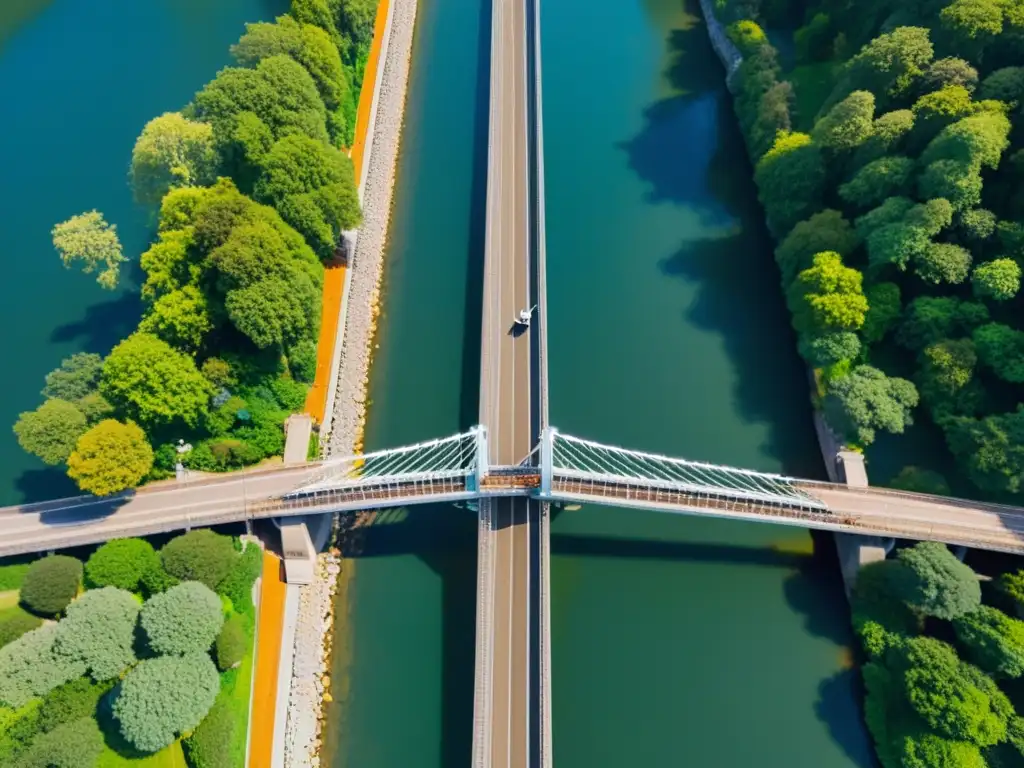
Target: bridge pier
(297, 549)
(856, 551)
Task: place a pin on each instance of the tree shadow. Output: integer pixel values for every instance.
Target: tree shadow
(815, 591)
(103, 325)
(838, 707)
(44, 484)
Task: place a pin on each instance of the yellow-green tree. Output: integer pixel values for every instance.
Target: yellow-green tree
(110, 457)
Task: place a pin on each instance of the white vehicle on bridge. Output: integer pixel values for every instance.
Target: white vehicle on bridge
(525, 315)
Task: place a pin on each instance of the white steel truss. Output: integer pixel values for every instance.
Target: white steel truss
(447, 459)
(606, 466)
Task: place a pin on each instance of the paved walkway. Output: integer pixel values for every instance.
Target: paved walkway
(268, 655)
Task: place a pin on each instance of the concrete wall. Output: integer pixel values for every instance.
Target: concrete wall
(727, 52)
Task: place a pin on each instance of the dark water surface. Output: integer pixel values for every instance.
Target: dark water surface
(80, 79)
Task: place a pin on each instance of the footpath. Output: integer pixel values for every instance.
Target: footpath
(268, 655)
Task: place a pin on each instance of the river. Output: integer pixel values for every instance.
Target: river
(676, 639)
(80, 81)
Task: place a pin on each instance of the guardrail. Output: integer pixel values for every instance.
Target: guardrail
(484, 639)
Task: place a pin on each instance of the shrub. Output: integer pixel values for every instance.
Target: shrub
(302, 361)
(156, 579)
(184, 619)
(747, 36)
(935, 583)
(164, 697)
(237, 585)
(14, 624)
(919, 480)
(209, 746)
(120, 563)
(232, 643)
(993, 640)
(51, 583)
(110, 457)
(202, 556)
(77, 744)
(99, 631)
(70, 702)
(29, 667)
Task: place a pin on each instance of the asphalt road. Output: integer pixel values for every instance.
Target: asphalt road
(505, 383)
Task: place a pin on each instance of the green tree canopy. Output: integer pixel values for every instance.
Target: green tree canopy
(77, 744)
(918, 480)
(934, 111)
(829, 348)
(790, 179)
(154, 383)
(1001, 348)
(824, 231)
(121, 563)
(99, 632)
(184, 619)
(978, 140)
(827, 296)
(972, 24)
(993, 640)
(927, 750)
(29, 667)
(164, 697)
(110, 457)
(992, 450)
(888, 65)
(878, 180)
(947, 368)
(51, 583)
(171, 151)
(935, 583)
(976, 225)
(78, 376)
(848, 124)
(932, 318)
(998, 279)
(51, 430)
(884, 310)
(1006, 85)
(956, 181)
(89, 239)
(181, 318)
(232, 643)
(888, 135)
(943, 263)
(867, 400)
(201, 555)
(950, 71)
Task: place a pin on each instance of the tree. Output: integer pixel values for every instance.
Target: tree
(237, 585)
(867, 400)
(888, 135)
(172, 151)
(51, 430)
(918, 480)
(51, 583)
(824, 231)
(884, 310)
(998, 279)
(154, 383)
(30, 668)
(950, 71)
(947, 372)
(930, 751)
(978, 140)
(357, 18)
(181, 318)
(14, 624)
(71, 701)
(89, 239)
(827, 296)
(184, 619)
(878, 180)
(77, 744)
(848, 124)
(972, 24)
(1001, 348)
(790, 179)
(1006, 85)
(901, 241)
(991, 449)
(943, 263)
(1011, 585)
(888, 65)
(976, 225)
(77, 377)
(828, 349)
(302, 361)
(110, 457)
(935, 583)
(321, 13)
(210, 743)
(878, 615)
(994, 641)
(932, 318)
(935, 110)
(273, 312)
(163, 697)
(232, 643)
(120, 563)
(99, 632)
(892, 211)
(956, 181)
(201, 555)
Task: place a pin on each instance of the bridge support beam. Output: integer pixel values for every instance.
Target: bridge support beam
(481, 456)
(298, 550)
(547, 439)
(857, 551)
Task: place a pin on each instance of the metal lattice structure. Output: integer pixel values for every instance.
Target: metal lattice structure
(585, 468)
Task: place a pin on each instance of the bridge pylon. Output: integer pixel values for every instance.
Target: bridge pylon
(547, 457)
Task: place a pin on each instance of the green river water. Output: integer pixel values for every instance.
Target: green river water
(676, 640)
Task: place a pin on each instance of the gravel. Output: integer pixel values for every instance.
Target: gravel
(313, 630)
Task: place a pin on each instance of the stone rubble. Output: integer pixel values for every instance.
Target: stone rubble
(310, 679)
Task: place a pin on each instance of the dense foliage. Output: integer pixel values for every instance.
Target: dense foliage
(121, 563)
(232, 643)
(890, 164)
(254, 190)
(99, 632)
(51, 583)
(185, 619)
(163, 697)
(30, 667)
(202, 556)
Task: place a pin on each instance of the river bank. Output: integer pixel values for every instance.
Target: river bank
(315, 626)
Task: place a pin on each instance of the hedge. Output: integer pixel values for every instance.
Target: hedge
(237, 585)
(209, 746)
(77, 744)
(232, 643)
(15, 623)
(184, 619)
(51, 583)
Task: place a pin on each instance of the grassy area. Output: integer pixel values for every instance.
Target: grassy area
(238, 695)
(8, 600)
(812, 84)
(11, 576)
(171, 757)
